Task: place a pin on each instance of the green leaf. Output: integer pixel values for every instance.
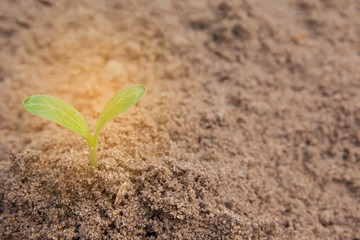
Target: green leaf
(58, 111)
(122, 101)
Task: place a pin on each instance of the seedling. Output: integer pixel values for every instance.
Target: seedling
(64, 114)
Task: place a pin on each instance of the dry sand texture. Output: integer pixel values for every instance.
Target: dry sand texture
(250, 128)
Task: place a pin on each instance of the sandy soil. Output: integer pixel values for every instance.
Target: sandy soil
(250, 128)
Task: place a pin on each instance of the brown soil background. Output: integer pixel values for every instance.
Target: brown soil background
(250, 128)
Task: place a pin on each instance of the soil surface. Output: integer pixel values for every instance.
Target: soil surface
(250, 128)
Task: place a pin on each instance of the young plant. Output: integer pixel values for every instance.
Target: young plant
(64, 114)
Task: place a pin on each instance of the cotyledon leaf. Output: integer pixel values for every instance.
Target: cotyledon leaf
(118, 104)
(58, 111)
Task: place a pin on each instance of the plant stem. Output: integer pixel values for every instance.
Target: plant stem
(93, 156)
(93, 143)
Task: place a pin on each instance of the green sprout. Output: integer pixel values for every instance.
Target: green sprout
(64, 114)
